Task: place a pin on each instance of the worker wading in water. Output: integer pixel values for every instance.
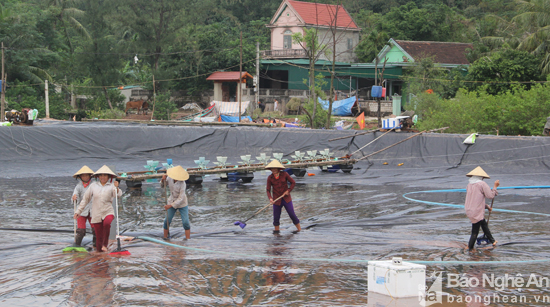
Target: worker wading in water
(84, 178)
(476, 192)
(278, 181)
(175, 178)
(102, 194)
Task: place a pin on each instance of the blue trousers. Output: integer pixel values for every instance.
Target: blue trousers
(184, 212)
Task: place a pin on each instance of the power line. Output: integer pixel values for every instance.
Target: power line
(123, 53)
(135, 83)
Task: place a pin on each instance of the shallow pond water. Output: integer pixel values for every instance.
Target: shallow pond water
(346, 223)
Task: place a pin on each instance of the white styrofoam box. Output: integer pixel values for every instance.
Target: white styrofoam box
(404, 280)
(390, 123)
(379, 300)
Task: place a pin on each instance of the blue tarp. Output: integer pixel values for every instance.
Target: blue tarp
(234, 119)
(293, 125)
(340, 107)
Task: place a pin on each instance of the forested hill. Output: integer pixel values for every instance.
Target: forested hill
(96, 43)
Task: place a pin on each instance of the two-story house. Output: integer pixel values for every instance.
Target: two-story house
(296, 16)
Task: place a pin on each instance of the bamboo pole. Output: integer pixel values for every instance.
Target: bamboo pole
(176, 123)
(241, 169)
(350, 136)
(410, 137)
(372, 141)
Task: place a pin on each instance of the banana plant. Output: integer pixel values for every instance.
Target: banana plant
(263, 158)
(222, 161)
(201, 162)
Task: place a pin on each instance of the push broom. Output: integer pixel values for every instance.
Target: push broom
(118, 251)
(483, 238)
(74, 247)
(243, 224)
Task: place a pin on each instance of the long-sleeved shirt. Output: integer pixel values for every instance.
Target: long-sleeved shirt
(102, 197)
(177, 198)
(280, 186)
(79, 191)
(475, 200)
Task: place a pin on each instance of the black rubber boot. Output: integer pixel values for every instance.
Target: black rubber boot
(80, 233)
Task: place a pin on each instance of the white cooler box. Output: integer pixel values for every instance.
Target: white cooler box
(396, 280)
(390, 123)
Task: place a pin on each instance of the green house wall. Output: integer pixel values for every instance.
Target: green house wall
(395, 55)
(298, 71)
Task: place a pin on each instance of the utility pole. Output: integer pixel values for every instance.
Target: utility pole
(239, 85)
(378, 98)
(154, 98)
(2, 89)
(47, 100)
(257, 87)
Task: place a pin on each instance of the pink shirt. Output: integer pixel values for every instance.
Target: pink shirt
(475, 200)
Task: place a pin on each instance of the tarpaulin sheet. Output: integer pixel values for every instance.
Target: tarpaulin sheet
(339, 107)
(55, 148)
(230, 108)
(234, 119)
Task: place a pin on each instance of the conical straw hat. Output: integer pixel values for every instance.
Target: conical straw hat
(274, 164)
(84, 170)
(104, 170)
(177, 173)
(478, 171)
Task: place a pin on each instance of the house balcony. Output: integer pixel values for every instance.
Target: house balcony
(284, 54)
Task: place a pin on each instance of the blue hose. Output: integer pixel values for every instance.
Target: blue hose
(428, 262)
(464, 190)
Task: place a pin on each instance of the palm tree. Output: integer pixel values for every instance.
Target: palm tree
(66, 14)
(534, 16)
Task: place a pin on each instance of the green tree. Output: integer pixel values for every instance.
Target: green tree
(425, 75)
(504, 66)
(66, 15)
(534, 17)
(519, 111)
(369, 47)
(314, 112)
(314, 50)
(164, 107)
(99, 58)
(154, 23)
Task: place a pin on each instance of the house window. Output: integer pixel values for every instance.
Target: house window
(287, 40)
(350, 43)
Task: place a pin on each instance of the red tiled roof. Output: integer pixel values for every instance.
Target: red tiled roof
(323, 14)
(444, 53)
(228, 76)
